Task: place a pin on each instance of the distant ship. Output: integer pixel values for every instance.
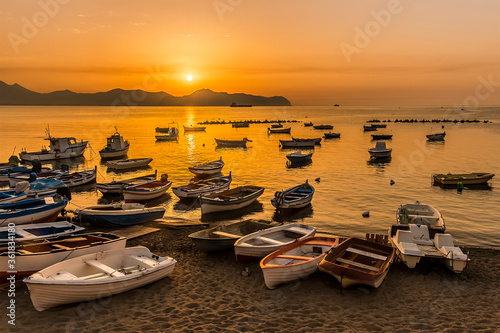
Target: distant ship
(336, 105)
(236, 105)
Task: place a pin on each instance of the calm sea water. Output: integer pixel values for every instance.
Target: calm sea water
(348, 185)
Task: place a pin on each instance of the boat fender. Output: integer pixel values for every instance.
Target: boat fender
(460, 186)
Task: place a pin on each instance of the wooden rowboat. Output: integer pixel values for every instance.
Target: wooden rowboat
(464, 178)
(232, 143)
(128, 163)
(117, 186)
(209, 168)
(32, 232)
(119, 215)
(295, 197)
(206, 186)
(32, 210)
(436, 137)
(232, 199)
(146, 192)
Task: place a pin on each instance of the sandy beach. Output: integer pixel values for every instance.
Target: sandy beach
(208, 293)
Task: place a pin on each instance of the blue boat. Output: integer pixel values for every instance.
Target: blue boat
(293, 198)
(11, 196)
(119, 215)
(32, 232)
(32, 210)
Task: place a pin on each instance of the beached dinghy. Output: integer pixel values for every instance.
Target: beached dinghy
(34, 256)
(222, 237)
(128, 163)
(32, 210)
(293, 198)
(115, 146)
(119, 215)
(206, 186)
(232, 199)
(358, 261)
(148, 191)
(117, 186)
(295, 261)
(259, 244)
(96, 275)
(465, 178)
(32, 232)
(209, 168)
(420, 213)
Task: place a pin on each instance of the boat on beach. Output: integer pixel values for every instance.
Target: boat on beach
(358, 261)
(205, 186)
(130, 163)
(299, 157)
(232, 199)
(296, 197)
(465, 178)
(147, 191)
(420, 213)
(263, 242)
(308, 144)
(117, 186)
(295, 261)
(115, 146)
(331, 135)
(279, 130)
(436, 137)
(34, 256)
(192, 128)
(232, 143)
(96, 275)
(380, 151)
(32, 210)
(25, 233)
(222, 237)
(209, 168)
(119, 215)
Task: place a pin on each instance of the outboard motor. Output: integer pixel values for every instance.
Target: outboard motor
(32, 177)
(64, 191)
(64, 167)
(37, 166)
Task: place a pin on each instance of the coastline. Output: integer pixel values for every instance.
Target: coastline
(206, 292)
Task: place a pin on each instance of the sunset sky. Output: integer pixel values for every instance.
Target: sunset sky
(317, 52)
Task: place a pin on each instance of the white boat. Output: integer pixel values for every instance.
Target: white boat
(192, 128)
(380, 151)
(299, 157)
(295, 197)
(129, 163)
(295, 261)
(209, 168)
(146, 192)
(308, 144)
(232, 143)
(172, 133)
(79, 178)
(59, 148)
(420, 213)
(259, 244)
(206, 186)
(96, 275)
(415, 243)
(232, 199)
(32, 232)
(115, 146)
(436, 137)
(34, 256)
(117, 186)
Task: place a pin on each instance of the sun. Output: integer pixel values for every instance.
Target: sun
(189, 78)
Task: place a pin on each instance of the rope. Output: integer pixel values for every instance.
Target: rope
(92, 151)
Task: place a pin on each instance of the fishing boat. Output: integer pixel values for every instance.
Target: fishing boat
(295, 261)
(128, 163)
(15, 178)
(96, 275)
(465, 178)
(8, 196)
(414, 242)
(308, 144)
(41, 188)
(379, 125)
(317, 141)
(278, 125)
(117, 186)
(232, 199)
(293, 198)
(323, 127)
(14, 170)
(420, 213)
(358, 261)
(25, 233)
(308, 124)
(34, 256)
(119, 215)
(369, 128)
(222, 237)
(59, 148)
(436, 137)
(32, 210)
(279, 130)
(232, 143)
(192, 128)
(259, 244)
(240, 124)
(205, 186)
(381, 136)
(115, 146)
(380, 151)
(331, 135)
(172, 133)
(299, 157)
(148, 191)
(79, 178)
(209, 168)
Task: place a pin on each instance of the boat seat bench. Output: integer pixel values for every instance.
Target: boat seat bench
(62, 247)
(145, 261)
(269, 240)
(366, 254)
(297, 230)
(225, 234)
(105, 268)
(357, 264)
(286, 256)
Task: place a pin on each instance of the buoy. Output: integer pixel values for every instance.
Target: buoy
(392, 182)
(317, 179)
(366, 214)
(460, 186)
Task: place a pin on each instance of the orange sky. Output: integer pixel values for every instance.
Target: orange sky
(312, 52)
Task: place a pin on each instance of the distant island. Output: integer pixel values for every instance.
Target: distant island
(17, 95)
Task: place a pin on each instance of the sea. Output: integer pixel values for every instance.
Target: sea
(346, 182)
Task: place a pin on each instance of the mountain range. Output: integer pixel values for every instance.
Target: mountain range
(17, 95)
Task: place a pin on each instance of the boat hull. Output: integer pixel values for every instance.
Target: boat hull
(35, 214)
(211, 206)
(106, 153)
(128, 164)
(137, 194)
(231, 143)
(297, 144)
(76, 151)
(466, 179)
(121, 218)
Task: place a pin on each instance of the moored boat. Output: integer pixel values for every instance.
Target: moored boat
(37, 231)
(96, 275)
(232, 199)
(209, 168)
(279, 130)
(369, 128)
(358, 261)
(115, 146)
(79, 178)
(420, 213)
(464, 178)
(232, 143)
(117, 186)
(308, 144)
(172, 133)
(222, 237)
(331, 135)
(240, 124)
(259, 244)
(128, 163)
(8, 196)
(381, 136)
(295, 197)
(278, 125)
(308, 124)
(323, 127)
(296, 260)
(32, 210)
(299, 157)
(317, 141)
(119, 215)
(205, 186)
(192, 128)
(147, 191)
(436, 137)
(380, 151)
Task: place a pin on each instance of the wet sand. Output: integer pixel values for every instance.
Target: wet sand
(208, 293)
